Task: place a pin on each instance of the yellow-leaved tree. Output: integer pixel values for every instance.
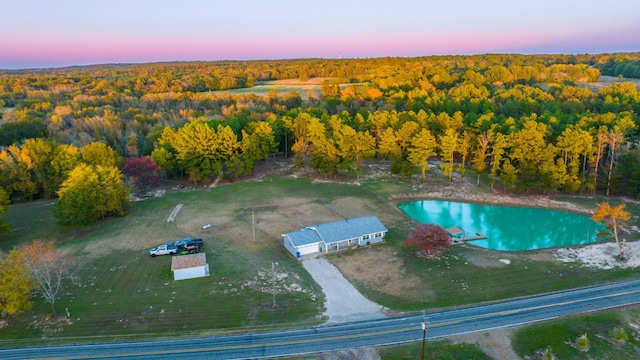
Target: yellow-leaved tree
(97, 153)
(423, 146)
(480, 154)
(612, 217)
(4, 206)
(90, 193)
(15, 284)
(448, 147)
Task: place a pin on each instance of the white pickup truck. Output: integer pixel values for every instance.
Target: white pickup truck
(164, 250)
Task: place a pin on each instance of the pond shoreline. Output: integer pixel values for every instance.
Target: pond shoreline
(505, 227)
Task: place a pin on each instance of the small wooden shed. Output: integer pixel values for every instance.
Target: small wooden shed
(189, 266)
(455, 232)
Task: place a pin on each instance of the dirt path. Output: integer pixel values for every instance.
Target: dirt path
(174, 213)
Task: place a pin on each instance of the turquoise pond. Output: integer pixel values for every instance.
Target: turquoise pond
(507, 228)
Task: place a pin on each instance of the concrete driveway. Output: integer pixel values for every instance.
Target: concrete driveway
(343, 302)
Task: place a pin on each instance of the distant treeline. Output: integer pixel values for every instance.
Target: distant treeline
(522, 122)
(621, 67)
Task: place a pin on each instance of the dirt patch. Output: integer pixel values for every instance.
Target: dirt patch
(174, 213)
(495, 343)
(350, 207)
(51, 326)
(390, 276)
(601, 256)
(290, 215)
(488, 259)
(471, 194)
(353, 354)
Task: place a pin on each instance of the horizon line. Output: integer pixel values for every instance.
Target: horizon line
(338, 58)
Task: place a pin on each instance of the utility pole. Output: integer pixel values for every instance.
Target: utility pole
(273, 281)
(424, 331)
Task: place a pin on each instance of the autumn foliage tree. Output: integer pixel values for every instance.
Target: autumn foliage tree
(547, 134)
(90, 193)
(49, 268)
(15, 284)
(97, 153)
(428, 238)
(4, 206)
(142, 172)
(612, 217)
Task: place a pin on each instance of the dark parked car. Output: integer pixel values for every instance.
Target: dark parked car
(188, 242)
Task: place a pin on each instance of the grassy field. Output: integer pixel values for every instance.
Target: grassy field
(441, 350)
(125, 293)
(605, 81)
(313, 85)
(303, 88)
(605, 339)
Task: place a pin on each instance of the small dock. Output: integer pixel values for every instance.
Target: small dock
(477, 236)
(459, 236)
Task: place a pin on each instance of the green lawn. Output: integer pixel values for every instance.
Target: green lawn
(124, 292)
(441, 350)
(453, 280)
(561, 336)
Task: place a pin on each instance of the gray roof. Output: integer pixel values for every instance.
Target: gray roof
(337, 231)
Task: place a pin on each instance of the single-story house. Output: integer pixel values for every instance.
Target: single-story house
(334, 236)
(189, 266)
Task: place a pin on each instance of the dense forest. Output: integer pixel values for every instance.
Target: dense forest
(534, 123)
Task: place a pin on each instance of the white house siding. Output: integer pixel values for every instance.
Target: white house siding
(302, 249)
(308, 249)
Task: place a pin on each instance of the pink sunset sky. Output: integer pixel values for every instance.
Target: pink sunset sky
(55, 33)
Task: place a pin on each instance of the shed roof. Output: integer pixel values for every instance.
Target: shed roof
(336, 231)
(453, 231)
(188, 261)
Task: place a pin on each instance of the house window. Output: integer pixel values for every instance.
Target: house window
(365, 237)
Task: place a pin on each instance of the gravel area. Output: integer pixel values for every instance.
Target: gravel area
(601, 256)
(343, 302)
(495, 343)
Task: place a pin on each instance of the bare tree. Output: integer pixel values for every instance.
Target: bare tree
(49, 268)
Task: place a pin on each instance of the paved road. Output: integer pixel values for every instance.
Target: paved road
(358, 334)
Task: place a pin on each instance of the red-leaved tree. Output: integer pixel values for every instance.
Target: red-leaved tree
(142, 172)
(428, 238)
